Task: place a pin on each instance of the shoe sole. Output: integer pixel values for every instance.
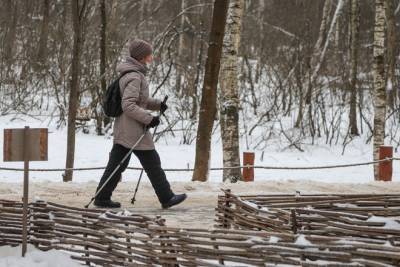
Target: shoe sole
(167, 207)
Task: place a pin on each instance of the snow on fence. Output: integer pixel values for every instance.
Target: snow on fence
(367, 218)
(106, 238)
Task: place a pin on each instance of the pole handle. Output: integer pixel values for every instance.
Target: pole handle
(165, 99)
(164, 102)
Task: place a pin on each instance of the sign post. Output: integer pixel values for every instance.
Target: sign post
(26, 188)
(25, 145)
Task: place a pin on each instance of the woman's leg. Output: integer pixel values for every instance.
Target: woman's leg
(151, 163)
(117, 153)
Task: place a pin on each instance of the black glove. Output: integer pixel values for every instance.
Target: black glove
(154, 122)
(163, 107)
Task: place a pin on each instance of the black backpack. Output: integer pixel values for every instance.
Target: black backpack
(112, 99)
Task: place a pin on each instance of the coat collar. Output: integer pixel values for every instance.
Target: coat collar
(132, 64)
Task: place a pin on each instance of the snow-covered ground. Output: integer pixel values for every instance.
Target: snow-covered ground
(11, 257)
(198, 210)
(92, 151)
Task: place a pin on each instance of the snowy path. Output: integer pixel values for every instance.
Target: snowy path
(197, 210)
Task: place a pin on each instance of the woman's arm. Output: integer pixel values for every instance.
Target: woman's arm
(130, 99)
(153, 104)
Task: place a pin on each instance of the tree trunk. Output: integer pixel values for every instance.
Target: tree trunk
(379, 81)
(44, 34)
(261, 11)
(354, 46)
(209, 92)
(391, 52)
(62, 33)
(229, 110)
(103, 62)
(181, 48)
(77, 19)
(11, 34)
(62, 28)
(323, 31)
(322, 37)
(319, 53)
(194, 94)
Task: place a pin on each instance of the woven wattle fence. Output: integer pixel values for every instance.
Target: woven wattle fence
(87, 233)
(190, 247)
(369, 218)
(104, 238)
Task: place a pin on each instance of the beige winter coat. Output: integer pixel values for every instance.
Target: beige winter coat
(136, 104)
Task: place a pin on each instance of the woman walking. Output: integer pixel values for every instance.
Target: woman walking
(131, 125)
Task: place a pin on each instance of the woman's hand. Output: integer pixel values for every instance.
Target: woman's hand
(154, 122)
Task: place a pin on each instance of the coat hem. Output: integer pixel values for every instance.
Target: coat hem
(129, 146)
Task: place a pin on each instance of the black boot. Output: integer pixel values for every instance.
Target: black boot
(106, 203)
(175, 200)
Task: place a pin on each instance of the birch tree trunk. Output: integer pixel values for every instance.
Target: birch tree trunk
(181, 49)
(229, 114)
(391, 52)
(323, 32)
(77, 19)
(379, 81)
(209, 92)
(319, 59)
(319, 54)
(354, 46)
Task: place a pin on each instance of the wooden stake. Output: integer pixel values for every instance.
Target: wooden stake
(226, 223)
(385, 168)
(25, 197)
(248, 173)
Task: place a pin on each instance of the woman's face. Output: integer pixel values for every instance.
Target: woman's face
(148, 59)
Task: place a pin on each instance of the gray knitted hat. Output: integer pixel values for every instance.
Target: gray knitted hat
(139, 49)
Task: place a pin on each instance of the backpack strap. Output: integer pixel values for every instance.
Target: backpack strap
(126, 72)
(129, 71)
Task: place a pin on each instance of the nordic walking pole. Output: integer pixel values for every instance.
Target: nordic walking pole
(141, 172)
(117, 168)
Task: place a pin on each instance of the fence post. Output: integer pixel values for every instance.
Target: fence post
(227, 204)
(248, 173)
(385, 168)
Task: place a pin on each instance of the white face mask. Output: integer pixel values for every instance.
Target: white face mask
(148, 60)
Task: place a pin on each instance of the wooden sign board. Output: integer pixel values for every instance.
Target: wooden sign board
(13, 148)
(25, 145)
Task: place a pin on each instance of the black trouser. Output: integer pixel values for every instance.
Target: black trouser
(151, 163)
